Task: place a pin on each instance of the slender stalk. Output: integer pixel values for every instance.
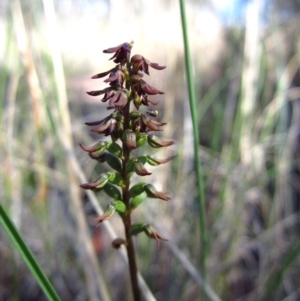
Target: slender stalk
(127, 219)
(132, 260)
(193, 106)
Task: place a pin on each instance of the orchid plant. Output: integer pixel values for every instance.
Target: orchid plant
(128, 129)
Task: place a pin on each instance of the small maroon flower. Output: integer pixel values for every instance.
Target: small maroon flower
(152, 233)
(109, 126)
(146, 100)
(153, 193)
(139, 63)
(118, 99)
(110, 210)
(140, 169)
(116, 78)
(155, 142)
(152, 125)
(122, 53)
(99, 183)
(141, 87)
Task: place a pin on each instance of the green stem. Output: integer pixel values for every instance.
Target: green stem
(127, 219)
(193, 107)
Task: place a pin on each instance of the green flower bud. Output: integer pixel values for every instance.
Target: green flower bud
(136, 228)
(135, 115)
(120, 206)
(136, 189)
(113, 161)
(116, 178)
(112, 191)
(137, 100)
(137, 200)
(115, 149)
(141, 139)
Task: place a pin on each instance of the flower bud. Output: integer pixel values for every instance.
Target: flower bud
(115, 149)
(99, 147)
(155, 142)
(137, 200)
(154, 161)
(152, 233)
(112, 191)
(141, 139)
(136, 228)
(129, 139)
(135, 114)
(153, 193)
(120, 206)
(118, 242)
(136, 189)
(113, 161)
(140, 169)
(110, 210)
(115, 178)
(102, 180)
(137, 100)
(99, 157)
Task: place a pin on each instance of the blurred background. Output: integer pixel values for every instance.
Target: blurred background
(245, 57)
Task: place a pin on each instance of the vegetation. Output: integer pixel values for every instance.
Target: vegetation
(247, 93)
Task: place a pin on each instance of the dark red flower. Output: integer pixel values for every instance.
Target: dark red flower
(139, 63)
(152, 125)
(118, 99)
(122, 53)
(109, 126)
(116, 77)
(141, 87)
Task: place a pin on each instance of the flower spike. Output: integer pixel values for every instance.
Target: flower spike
(128, 126)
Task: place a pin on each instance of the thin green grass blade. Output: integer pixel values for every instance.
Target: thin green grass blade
(28, 257)
(193, 107)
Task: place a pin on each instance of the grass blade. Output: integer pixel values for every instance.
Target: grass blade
(193, 107)
(28, 257)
